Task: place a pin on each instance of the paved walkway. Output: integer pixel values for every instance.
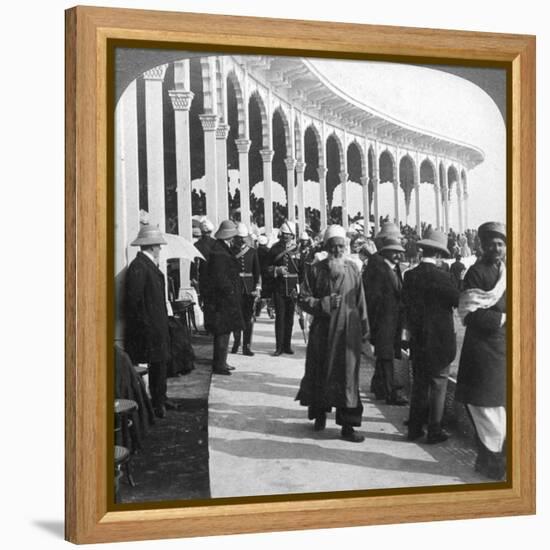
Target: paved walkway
(261, 442)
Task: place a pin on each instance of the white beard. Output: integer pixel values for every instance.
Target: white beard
(336, 267)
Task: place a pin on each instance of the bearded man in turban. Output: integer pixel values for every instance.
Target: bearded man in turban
(336, 301)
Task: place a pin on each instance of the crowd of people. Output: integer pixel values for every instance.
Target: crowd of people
(392, 291)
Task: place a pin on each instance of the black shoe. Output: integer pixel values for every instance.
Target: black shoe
(349, 434)
(320, 423)
(437, 437)
(235, 348)
(160, 412)
(229, 367)
(277, 352)
(415, 434)
(397, 399)
(226, 372)
(247, 351)
(289, 351)
(171, 405)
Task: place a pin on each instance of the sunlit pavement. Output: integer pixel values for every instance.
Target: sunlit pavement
(261, 442)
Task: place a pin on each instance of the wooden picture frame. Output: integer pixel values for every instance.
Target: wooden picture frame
(88, 280)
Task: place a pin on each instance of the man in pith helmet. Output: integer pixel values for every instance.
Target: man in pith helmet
(147, 338)
(429, 296)
(383, 289)
(249, 267)
(283, 262)
(223, 313)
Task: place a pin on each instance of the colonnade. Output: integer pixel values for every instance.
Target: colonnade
(377, 158)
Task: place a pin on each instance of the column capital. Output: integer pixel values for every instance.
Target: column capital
(267, 154)
(343, 177)
(222, 131)
(459, 190)
(364, 180)
(181, 99)
(290, 163)
(243, 145)
(437, 187)
(156, 73)
(300, 167)
(322, 172)
(209, 122)
(395, 184)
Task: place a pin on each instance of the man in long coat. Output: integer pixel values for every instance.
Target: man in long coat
(337, 304)
(223, 313)
(429, 297)
(199, 268)
(383, 283)
(481, 382)
(147, 338)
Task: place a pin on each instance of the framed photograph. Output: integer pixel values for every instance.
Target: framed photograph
(230, 182)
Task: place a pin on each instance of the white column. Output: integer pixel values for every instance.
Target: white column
(459, 197)
(127, 177)
(375, 183)
(209, 125)
(344, 183)
(445, 194)
(300, 169)
(323, 206)
(417, 196)
(222, 131)
(396, 201)
(155, 145)
(181, 101)
(465, 197)
(126, 194)
(290, 186)
(366, 205)
(155, 150)
(267, 157)
(243, 146)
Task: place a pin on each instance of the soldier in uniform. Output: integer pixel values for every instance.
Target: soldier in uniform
(250, 287)
(283, 266)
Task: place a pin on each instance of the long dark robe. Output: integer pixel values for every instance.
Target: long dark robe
(335, 339)
(481, 377)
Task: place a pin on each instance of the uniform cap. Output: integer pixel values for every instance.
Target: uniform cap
(305, 236)
(242, 230)
(287, 228)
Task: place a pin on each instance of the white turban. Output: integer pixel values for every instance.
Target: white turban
(334, 231)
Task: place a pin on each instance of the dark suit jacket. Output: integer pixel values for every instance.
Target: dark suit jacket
(383, 297)
(147, 338)
(429, 296)
(223, 308)
(199, 268)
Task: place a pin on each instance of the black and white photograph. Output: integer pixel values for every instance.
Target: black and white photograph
(310, 271)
